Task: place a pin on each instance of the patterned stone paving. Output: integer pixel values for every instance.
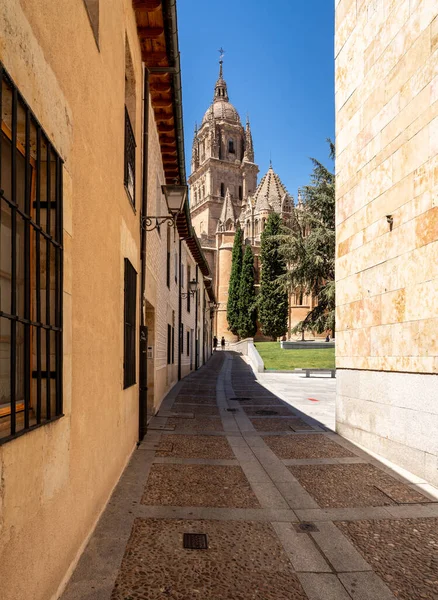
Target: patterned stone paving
(282, 411)
(196, 410)
(342, 486)
(199, 485)
(306, 446)
(384, 547)
(273, 424)
(243, 560)
(196, 424)
(195, 446)
(404, 553)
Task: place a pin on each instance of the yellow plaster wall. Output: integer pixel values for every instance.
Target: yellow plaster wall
(387, 164)
(56, 480)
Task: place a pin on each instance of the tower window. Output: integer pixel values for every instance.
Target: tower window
(222, 190)
(231, 147)
(240, 192)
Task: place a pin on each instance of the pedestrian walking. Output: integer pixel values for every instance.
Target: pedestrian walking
(214, 343)
(223, 343)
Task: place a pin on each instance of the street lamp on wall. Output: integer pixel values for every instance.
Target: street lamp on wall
(175, 196)
(193, 288)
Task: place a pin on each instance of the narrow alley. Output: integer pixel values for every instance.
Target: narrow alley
(282, 507)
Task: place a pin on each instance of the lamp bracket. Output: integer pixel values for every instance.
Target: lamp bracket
(153, 222)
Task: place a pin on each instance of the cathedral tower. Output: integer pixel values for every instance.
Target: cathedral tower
(223, 175)
(224, 192)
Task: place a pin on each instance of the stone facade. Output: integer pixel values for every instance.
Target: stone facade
(387, 228)
(224, 194)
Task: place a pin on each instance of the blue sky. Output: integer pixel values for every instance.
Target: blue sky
(278, 67)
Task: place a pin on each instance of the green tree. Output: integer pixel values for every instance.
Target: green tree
(233, 286)
(273, 297)
(308, 247)
(247, 297)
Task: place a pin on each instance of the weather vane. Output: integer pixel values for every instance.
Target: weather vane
(221, 53)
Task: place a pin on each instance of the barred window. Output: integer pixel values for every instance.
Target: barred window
(130, 321)
(129, 178)
(31, 263)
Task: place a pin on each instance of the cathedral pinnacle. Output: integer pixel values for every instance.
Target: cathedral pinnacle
(220, 90)
(249, 147)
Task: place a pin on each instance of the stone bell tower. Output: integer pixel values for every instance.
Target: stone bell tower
(223, 176)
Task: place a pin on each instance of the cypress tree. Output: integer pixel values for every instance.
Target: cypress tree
(247, 297)
(233, 286)
(273, 299)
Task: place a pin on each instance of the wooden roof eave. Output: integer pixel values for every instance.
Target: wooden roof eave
(158, 36)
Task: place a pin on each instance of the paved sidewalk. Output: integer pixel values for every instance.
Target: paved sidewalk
(291, 511)
(314, 396)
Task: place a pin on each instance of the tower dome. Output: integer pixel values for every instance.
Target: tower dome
(221, 108)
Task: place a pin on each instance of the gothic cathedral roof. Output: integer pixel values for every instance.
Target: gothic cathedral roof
(271, 194)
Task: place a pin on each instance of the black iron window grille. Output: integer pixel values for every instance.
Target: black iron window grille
(189, 296)
(169, 342)
(129, 178)
(130, 321)
(31, 268)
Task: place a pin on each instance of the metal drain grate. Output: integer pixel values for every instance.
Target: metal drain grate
(266, 413)
(232, 410)
(241, 399)
(195, 541)
(305, 527)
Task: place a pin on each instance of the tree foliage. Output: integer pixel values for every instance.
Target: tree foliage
(273, 298)
(308, 247)
(233, 287)
(247, 297)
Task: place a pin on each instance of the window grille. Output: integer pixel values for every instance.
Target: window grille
(189, 296)
(130, 320)
(188, 343)
(130, 146)
(31, 268)
(169, 342)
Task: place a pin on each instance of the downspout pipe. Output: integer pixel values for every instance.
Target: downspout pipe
(196, 323)
(143, 374)
(180, 333)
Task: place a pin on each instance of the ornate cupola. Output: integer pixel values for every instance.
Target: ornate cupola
(220, 90)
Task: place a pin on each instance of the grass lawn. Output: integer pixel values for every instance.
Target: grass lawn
(286, 360)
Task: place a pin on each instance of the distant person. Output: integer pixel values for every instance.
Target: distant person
(223, 343)
(214, 343)
(327, 339)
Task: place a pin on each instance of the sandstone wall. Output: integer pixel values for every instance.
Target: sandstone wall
(387, 227)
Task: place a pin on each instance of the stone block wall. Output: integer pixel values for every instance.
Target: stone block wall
(387, 228)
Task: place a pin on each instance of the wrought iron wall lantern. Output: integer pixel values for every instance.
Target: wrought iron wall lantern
(175, 196)
(193, 288)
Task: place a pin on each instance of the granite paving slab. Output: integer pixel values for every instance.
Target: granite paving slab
(244, 560)
(342, 486)
(200, 400)
(195, 446)
(306, 446)
(279, 411)
(404, 553)
(282, 424)
(196, 424)
(259, 402)
(199, 485)
(200, 410)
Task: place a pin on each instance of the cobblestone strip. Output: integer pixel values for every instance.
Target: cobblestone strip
(321, 552)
